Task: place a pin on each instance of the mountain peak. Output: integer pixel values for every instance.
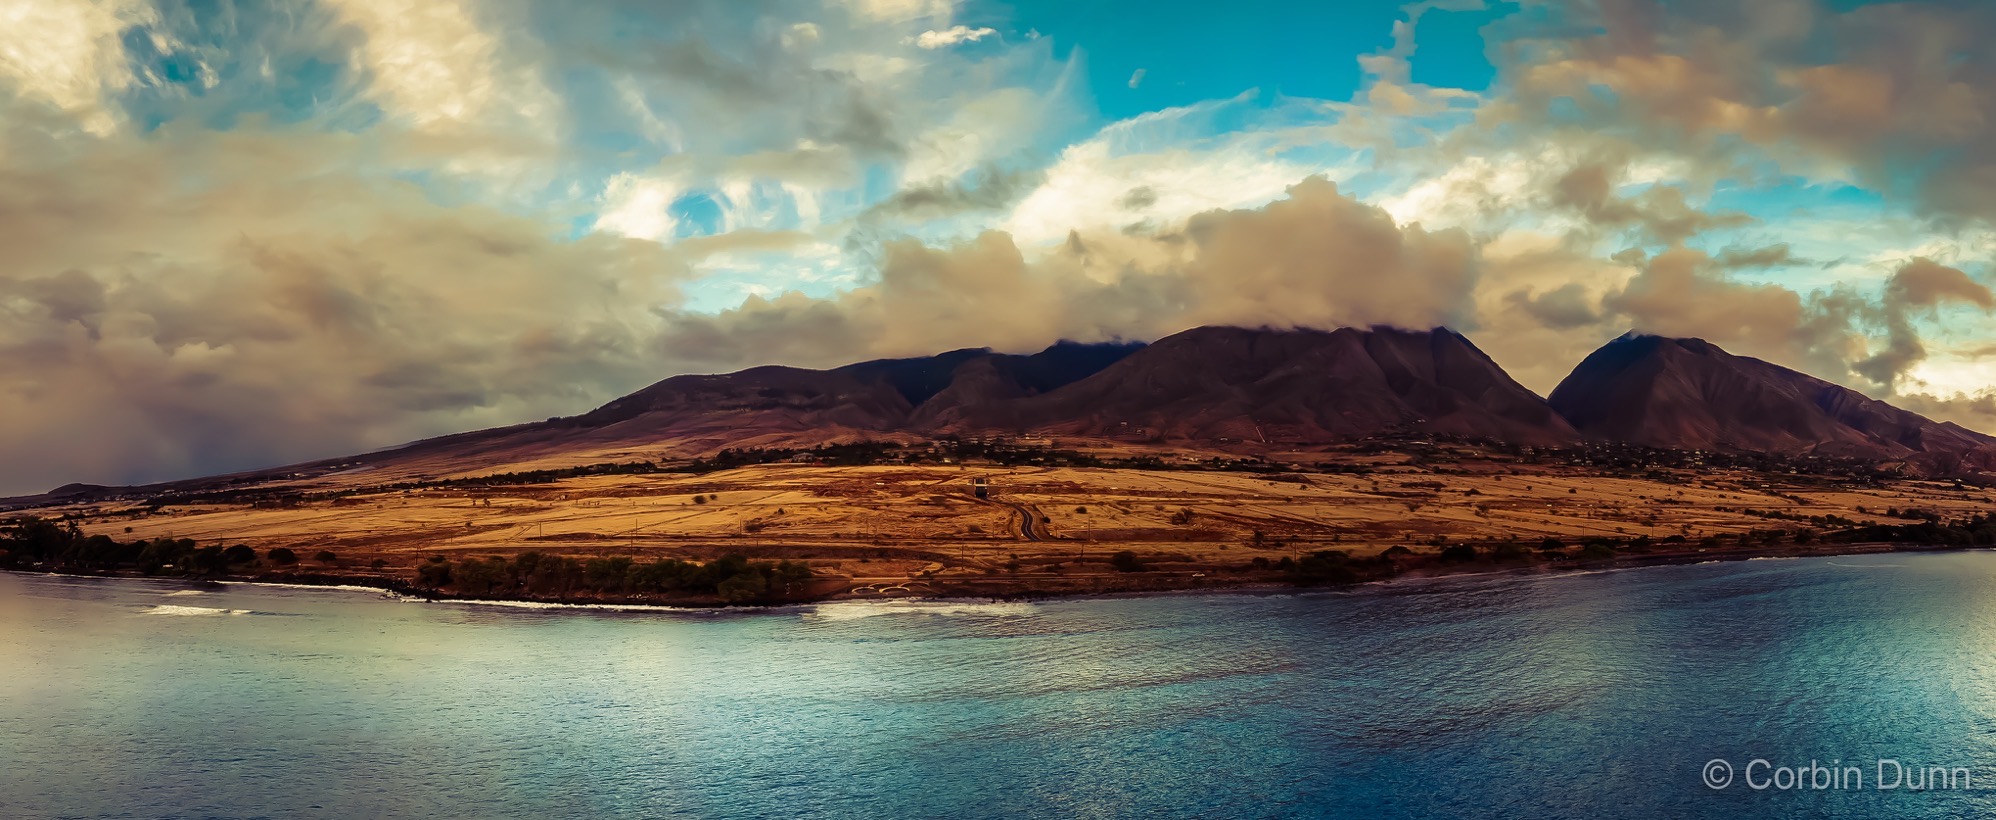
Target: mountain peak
(1643, 389)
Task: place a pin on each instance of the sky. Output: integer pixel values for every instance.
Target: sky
(242, 234)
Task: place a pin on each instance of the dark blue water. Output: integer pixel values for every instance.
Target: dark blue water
(1600, 695)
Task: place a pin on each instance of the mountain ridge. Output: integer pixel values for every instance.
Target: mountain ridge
(1221, 385)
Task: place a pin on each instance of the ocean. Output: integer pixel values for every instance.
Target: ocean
(1606, 694)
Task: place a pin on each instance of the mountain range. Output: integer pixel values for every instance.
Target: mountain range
(1220, 385)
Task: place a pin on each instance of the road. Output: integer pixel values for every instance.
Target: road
(1032, 525)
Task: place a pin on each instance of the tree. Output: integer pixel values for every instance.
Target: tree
(325, 557)
(1325, 567)
(281, 556)
(238, 554)
(434, 574)
(1126, 561)
(742, 587)
(788, 574)
(1551, 545)
(208, 561)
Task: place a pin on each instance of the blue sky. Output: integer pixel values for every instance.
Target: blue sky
(1183, 48)
(239, 232)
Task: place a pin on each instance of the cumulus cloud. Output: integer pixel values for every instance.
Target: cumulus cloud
(1897, 95)
(1685, 292)
(1316, 258)
(68, 54)
(1921, 286)
(1976, 411)
(954, 35)
(190, 302)
(1679, 293)
(434, 63)
(1659, 212)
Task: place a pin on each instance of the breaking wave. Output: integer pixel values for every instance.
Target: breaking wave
(854, 610)
(173, 609)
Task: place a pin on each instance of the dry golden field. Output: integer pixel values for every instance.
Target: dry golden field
(911, 529)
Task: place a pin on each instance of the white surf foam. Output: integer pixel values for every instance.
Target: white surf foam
(854, 610)
(551, 605)
(171, 609)
(276, 585)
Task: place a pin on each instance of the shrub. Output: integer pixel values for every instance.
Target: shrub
(208, 560)
(1325, 567)
(238, 554)
(1459, 553)
(1126, 561)
(742, 587)
(325, 556)
(1551, 545)
(281, 556)
(435, 574)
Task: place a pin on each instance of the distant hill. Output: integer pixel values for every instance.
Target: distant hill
(1690, 394)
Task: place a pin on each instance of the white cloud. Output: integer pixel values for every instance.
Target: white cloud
(987, 128)
(954, 35)
(1477, 192)
(1163, 167)
(639, 206)
(1137, 78)
(68, 53)
(898, 10)
(800, 36)
(431, 63)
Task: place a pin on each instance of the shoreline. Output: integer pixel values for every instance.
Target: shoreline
(406, 592)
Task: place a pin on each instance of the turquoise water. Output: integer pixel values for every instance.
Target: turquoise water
(1599, 695)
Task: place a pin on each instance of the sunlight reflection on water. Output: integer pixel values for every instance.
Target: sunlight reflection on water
(1595, 695)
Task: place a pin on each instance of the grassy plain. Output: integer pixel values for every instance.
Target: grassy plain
(913, 530)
